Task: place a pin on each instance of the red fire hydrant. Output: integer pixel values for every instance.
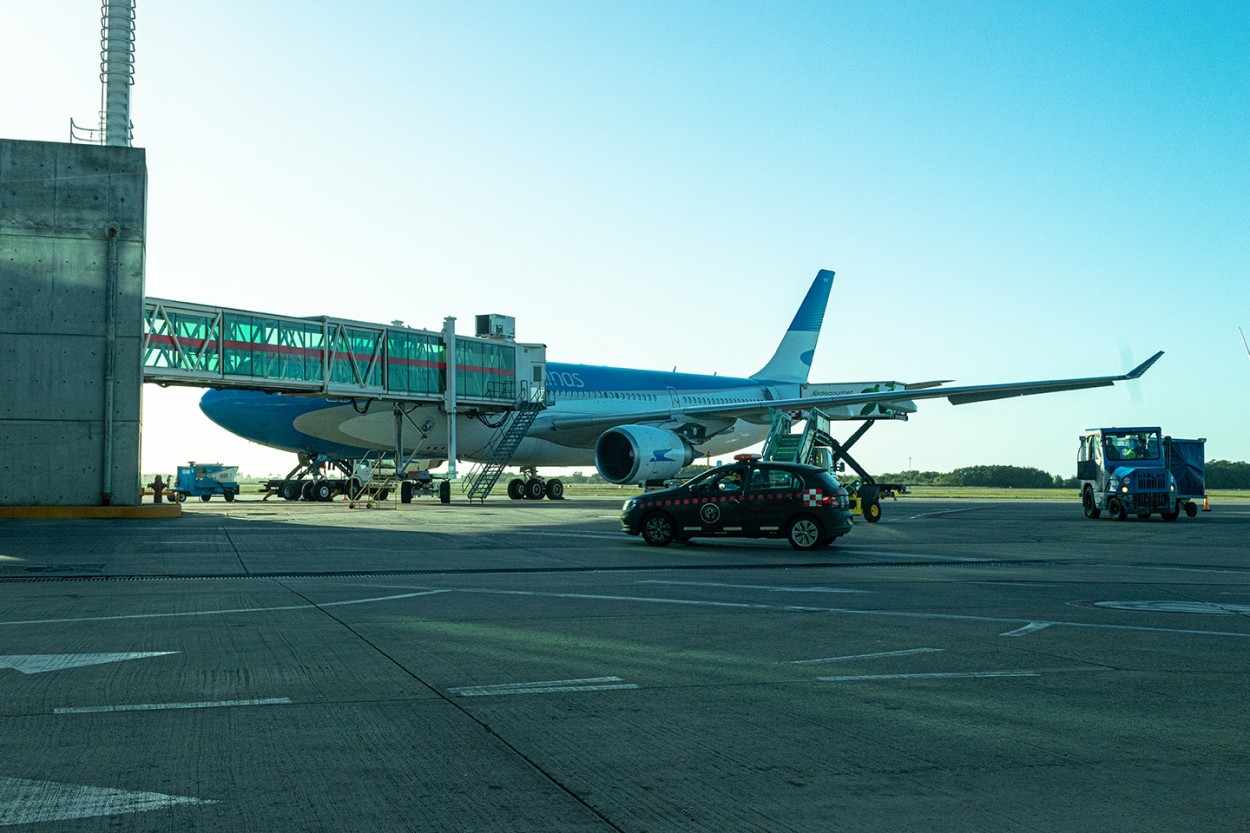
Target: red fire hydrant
(158, 489)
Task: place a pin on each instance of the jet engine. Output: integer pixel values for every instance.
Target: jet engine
(638, 453)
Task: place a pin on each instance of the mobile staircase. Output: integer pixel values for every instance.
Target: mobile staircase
(482, 479)
(815, 445)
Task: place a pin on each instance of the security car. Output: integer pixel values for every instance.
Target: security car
(750, 498)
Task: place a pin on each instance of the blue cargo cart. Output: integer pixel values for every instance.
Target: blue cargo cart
(203, 480)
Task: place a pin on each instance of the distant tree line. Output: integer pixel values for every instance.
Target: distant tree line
(1221, 474)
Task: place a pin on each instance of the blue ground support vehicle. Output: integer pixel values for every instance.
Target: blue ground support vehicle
(1139, 471)
(203, 480)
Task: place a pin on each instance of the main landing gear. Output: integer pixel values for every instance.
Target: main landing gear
(529, 486)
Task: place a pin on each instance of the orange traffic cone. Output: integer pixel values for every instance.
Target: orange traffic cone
(1206, 504)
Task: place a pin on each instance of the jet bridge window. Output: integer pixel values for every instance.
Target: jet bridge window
(485, 370)
(271, 348)
(415, 362)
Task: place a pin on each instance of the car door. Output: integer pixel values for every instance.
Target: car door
(718, 503)
(771, 497)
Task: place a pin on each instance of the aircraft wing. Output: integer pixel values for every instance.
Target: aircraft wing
(899, 400)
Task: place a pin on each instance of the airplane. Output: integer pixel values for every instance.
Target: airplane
(635, 426)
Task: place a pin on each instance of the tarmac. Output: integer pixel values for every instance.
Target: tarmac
(525, 666)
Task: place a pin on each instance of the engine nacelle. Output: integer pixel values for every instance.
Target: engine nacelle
(638, 453)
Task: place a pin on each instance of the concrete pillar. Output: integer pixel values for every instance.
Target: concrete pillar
(72, 222)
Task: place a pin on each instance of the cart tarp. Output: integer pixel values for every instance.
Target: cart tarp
(1186, 461)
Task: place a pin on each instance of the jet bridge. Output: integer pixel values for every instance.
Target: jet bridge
(206, 346)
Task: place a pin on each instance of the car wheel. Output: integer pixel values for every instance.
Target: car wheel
(1087, 503)
(516, 488)
(872, 512)
(1191, 509)
(206, 498)
(658, 529)
(1170, 515)
(805, 533)
(229, 496)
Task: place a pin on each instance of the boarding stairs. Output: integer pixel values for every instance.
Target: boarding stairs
(482, 479)
(374, 490)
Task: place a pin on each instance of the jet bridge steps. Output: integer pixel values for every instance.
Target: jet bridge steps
(798, 447)
(483, 478)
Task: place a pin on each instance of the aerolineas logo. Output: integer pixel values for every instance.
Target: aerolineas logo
(660, 455)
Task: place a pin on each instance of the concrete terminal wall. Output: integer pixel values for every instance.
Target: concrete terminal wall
(72, 222)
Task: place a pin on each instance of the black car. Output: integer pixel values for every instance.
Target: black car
(750, 498)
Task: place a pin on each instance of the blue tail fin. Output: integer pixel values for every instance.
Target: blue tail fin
(793, 359)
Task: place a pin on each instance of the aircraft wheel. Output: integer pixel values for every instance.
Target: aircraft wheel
(534, 489)
(291, 490)
(872, 512)
(306, 489)
(1087, 502)
(206, 498)
(658, 529)
(405, 492)
(516, 488)
(805, 533)
(322, 491)
(555, 490)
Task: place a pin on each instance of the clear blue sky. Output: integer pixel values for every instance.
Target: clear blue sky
(1007, 191)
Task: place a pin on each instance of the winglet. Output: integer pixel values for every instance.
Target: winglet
(1143, 367)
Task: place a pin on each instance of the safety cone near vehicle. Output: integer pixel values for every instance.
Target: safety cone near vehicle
(1206, 504)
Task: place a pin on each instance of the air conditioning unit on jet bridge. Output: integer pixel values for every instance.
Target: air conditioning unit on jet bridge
(496, 326)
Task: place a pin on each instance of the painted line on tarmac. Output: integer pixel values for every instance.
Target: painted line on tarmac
(222, 612)
(1031, 627)
(146, 707)
(907, 653)
(899, 614)
(940, 675)
(945, 512)
(23, 801)
(770, 588)
(43, 663)
(545, 687)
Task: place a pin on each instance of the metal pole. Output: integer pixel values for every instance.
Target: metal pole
(449, 399)
(117, 69)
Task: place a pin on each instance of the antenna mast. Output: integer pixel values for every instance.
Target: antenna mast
(117, 74)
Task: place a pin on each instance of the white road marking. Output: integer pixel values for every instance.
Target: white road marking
(947, 675)
(1027, 629)
(23, 801)
(1179, 606)
(945, 512)
(754, 587)
(223, 612)
(143, 707)
(906, 653)
(42, 663)
(545, 687)
(901, 614)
